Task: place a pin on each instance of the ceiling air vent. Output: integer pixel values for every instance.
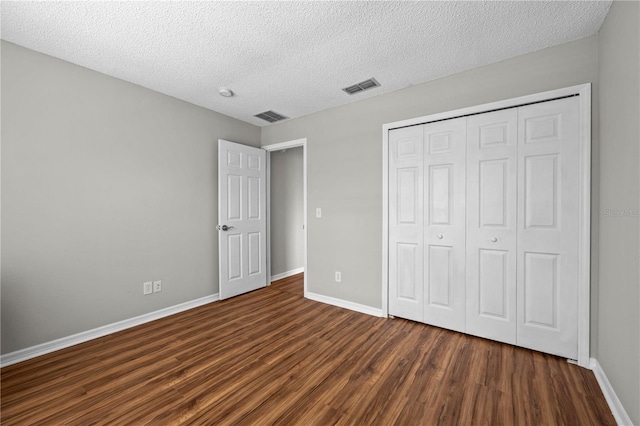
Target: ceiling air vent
(363, 85)
(271, 116)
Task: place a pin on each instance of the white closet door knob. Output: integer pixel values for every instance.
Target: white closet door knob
(494, 239)
(440, 236)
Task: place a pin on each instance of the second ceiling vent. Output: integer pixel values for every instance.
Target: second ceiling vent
(363, 85)
(271, 116)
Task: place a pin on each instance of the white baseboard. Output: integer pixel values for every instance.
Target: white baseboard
(364, 309)
(277, 277)
(618, 411)
(85, 336)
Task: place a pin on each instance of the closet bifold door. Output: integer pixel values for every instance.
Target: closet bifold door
(548, 226)
(492, 159)
(406, 212)
(444, 219)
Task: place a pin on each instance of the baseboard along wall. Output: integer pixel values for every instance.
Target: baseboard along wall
(618, 411)
(364, 309)
(287, 274)
(65, 342)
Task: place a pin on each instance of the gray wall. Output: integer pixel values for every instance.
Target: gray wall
(287, 214)
(344, 158)
(105, 185)
(619, 298)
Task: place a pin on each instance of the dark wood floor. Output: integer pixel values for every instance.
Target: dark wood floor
(273, 357)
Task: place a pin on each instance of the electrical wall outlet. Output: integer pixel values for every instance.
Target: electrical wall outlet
(318, 212)
(147, 288)
(157, 286)
(338, 276)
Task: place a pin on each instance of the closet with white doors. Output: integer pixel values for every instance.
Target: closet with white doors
(484, 224)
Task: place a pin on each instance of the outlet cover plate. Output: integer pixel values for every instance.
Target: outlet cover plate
(157, 286)
(147, 288)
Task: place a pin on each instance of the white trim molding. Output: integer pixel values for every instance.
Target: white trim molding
(352, 306)
(618, 411)
(584, 230)
(85, 336)
(584, 245)
(287, 274)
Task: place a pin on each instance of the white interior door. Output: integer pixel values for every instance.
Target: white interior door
(242, 221)
(444, 230)
(548, 226)
(406, 208)
(492, 177)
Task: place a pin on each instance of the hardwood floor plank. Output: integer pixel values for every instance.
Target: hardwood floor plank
(271, 357)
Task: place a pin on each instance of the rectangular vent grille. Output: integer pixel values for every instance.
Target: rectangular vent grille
(271, 116)
(363, 85)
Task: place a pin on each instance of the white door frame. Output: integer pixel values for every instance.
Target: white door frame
(277, 147)
(584, 243)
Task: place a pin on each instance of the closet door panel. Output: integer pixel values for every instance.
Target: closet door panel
(493, 284)
(491, 225)
(444, 231)
(548, 186)
(406, 212)
(440, 275)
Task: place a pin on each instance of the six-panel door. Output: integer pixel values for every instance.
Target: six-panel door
(406, 218)
(444, 231)
(242, 210)
(548, 203)
(492, 155)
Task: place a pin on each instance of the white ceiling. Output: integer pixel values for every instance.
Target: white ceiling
(290, 57)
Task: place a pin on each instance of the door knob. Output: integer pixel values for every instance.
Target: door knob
(494, 239)
(223, 227)
(440, 236)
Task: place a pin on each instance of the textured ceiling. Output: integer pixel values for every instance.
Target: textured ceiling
(290, 57)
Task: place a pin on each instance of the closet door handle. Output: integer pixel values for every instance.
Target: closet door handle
(440, 236)
(494, 239)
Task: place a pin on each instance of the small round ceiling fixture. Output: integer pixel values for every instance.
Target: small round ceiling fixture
(227, 93)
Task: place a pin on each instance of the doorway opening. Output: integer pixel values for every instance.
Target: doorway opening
(287, 210)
